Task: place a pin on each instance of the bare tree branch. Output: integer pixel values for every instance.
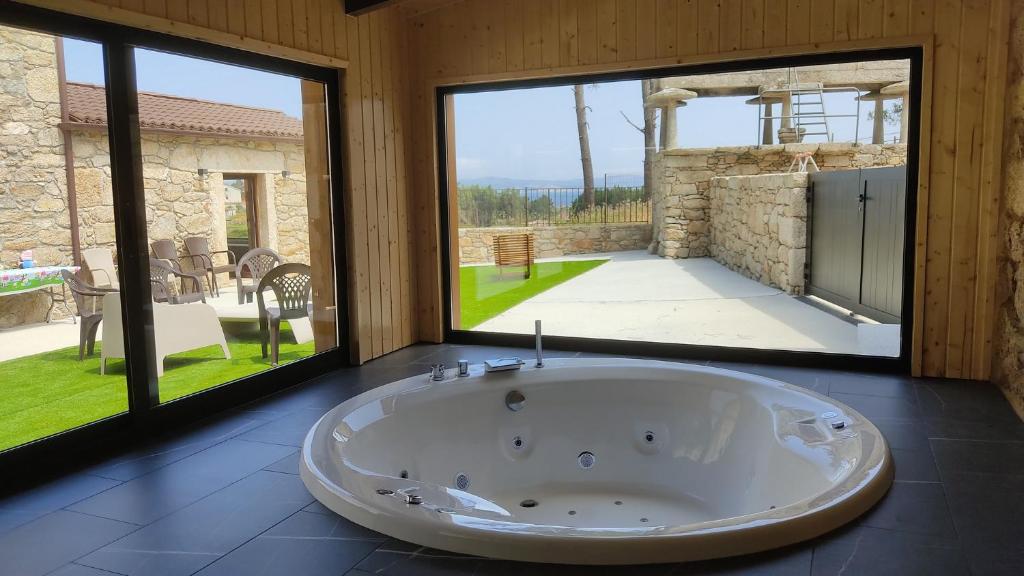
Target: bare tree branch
(631, 123)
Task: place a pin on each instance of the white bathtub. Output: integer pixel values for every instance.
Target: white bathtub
(686, 462)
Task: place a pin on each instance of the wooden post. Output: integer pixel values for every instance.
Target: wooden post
(318, 208)
(453, 210)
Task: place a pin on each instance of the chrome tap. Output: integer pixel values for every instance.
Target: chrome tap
(540, 351)
(437, 372)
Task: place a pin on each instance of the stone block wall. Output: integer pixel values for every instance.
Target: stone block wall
(476, 245)
(758, 227)
(33, 209)
(682, 180)
(1008, 345)
(179, 202)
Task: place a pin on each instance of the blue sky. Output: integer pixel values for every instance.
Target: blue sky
(529, 134)
(191, 77)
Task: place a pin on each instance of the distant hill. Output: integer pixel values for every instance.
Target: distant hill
(501, 183)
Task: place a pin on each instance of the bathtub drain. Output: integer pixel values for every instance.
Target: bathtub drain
(461, 481)
(586, 460)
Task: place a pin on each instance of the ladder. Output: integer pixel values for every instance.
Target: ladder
(809, 116)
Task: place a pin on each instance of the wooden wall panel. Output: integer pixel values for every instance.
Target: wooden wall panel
(965, 70)
(373, 51)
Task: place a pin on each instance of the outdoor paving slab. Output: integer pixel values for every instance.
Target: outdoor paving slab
(183, 482)
(183, 542)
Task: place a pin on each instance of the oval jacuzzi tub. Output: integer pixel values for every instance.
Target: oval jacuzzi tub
(604, 461)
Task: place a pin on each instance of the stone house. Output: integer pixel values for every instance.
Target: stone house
(189, 148)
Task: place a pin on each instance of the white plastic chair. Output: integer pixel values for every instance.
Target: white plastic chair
(100, 264)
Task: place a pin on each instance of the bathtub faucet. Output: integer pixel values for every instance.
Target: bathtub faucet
(540, 351)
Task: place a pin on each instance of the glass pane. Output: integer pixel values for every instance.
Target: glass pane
(237, 198)
(679, 209)
(59, 305)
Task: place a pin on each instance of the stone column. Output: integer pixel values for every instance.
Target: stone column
(901, 90)
(767, 130)
(667, 100)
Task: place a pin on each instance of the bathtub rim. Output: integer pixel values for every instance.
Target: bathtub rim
(846, 500)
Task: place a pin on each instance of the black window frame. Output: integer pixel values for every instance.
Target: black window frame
(146, 416)
(899, 364)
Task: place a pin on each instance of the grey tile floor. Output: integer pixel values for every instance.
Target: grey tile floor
(224, 497)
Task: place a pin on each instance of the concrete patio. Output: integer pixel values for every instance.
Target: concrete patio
(641, 297)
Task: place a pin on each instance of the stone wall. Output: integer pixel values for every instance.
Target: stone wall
(1008, 345)
(476, 245)
(33, 210)
(682, 179)
(758, 227)
(179, 202)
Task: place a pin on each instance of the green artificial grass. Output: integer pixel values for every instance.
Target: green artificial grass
(483, 293)
(51, 392)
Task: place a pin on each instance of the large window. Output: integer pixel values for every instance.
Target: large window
(225, 271)
(761, 208)
(55, 214)
(234, 192)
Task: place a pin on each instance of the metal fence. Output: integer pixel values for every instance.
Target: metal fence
(485, 207)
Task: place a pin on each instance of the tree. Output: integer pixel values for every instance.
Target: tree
(649, 130)
(583, 129)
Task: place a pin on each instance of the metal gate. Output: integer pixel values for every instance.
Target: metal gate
(856, 243)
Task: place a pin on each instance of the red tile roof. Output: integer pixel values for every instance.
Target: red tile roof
(87, 105)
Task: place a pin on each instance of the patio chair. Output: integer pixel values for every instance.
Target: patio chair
(175, 329)
(255, 264)
(89, 300)
(198, 249)
(100, 264)
(513, 250)
(165, 291)
(292, 286)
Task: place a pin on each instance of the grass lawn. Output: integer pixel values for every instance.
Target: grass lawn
(483, 294)
(52, 392)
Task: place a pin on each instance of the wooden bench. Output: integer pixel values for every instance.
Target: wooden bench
(513, 250)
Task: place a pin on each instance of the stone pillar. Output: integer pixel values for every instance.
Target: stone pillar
(901, 90)
(667, 100)
(767, 131)
(878, 125)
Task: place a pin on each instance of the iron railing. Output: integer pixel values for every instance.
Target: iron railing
(484, 207)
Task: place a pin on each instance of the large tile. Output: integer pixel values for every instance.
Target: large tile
(287, 465)
(54, 540)
(917, 507)
(963, 400)
(914, 465)
(397, 558)
(80, 570)
(987, 510)
(889, 385)
(165, 490)
(994, 430)
(875, 552)
(790, 561)
(817, 380)
(880, 406)
(978, 456)
(304, 544)
(166, 451)
(195, 536)
(289, 430)
(27, 506)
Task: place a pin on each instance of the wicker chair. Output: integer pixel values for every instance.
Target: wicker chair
(199, 252)
(89, 300)
(165, 291)
(292, 286)
(254, 264)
